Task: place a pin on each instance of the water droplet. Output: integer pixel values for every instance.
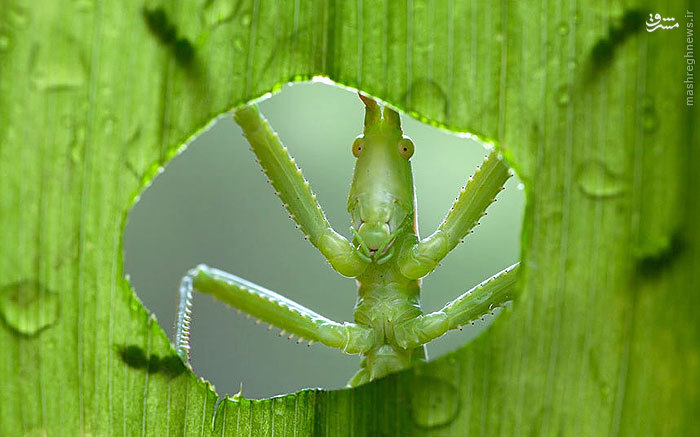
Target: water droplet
(277, 87)
(428, 99)
(106, 92)
(4, 42)
(83, 5)
(434, 402)
(245, 19)
(650, 120)
(19, 17)
(563, 29)
(77, 145)
(521, 186)
(598, 181)
(136, 161)
(67, 121)
(28, 307)
(218, 12)
(48, 72)
(109, 123)
(562, 95)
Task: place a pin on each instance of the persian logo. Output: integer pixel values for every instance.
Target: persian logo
(655, 22)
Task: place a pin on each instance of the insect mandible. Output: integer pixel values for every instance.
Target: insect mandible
(385, 255)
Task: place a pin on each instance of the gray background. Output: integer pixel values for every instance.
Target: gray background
(212, 205)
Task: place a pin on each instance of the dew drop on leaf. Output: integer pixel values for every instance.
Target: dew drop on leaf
(4, 42)
(434, 402)
(59, 67)
(109, 122)
(218, 12)
(19, 17)
(77, 144)
(426, 94)
(650, 120)
(596, 180)
(28, 307)
(563, 29)
(563, 95)
(83, 5)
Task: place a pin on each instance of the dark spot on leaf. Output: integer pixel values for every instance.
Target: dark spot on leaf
(654, 264)
(602, 52)
(159, 25)
(135, 357)
(632, 22)
(171, 366)
(184, 51)
(165, 31)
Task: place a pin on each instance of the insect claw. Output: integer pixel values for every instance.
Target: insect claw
(310, 343)
(258, 321)
(248, 316)
(282, 332)
(269, 327)
(291, 336)
(300, 340)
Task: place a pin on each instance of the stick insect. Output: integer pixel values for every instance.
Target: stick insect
(385, 255)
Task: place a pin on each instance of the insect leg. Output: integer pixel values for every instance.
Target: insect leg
(295, 193)
(362, 376)
(472, 305)
(470, 206)
(267, 306)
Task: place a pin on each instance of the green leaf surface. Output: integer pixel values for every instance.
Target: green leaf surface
(587, 106)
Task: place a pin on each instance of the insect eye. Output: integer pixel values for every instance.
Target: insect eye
(357, 146)
(406, 147)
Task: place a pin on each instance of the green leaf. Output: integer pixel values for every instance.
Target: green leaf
(586, 105)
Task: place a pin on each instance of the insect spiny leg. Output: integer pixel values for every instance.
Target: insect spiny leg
(184, 318)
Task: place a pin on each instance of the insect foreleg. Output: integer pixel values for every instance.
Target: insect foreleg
(468, 307)
(361, 377)
(267, 306)
(470, 206)
(296, 194)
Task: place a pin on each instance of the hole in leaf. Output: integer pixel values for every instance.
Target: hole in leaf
(212, 205)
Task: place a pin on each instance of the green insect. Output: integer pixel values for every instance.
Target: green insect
(385, 256)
